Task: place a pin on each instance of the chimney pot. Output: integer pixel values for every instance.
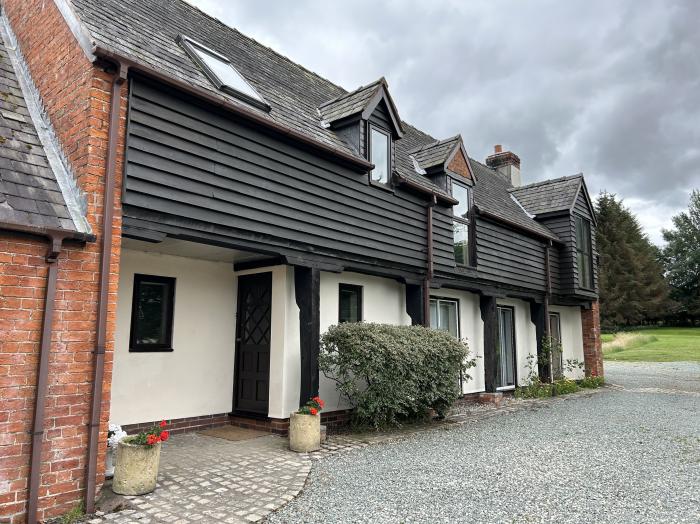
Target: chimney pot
(506, 163)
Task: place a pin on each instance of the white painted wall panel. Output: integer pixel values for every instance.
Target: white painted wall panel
(571, 336)
(197, 377)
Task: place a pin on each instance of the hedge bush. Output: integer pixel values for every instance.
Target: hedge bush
(393, 374)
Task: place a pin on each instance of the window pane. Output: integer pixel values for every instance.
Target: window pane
(226, 74)
(461, 242)
(443, 315)
(350, 303)
(448, 317)
(461, 193)
(152, 313)
(379, 149)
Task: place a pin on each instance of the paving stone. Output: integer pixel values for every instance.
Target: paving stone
(207, 479)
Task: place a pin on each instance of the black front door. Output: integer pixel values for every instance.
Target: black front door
(253, 343)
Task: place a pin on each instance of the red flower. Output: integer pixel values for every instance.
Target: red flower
(163, 423)
(151, 439)
(164, 435)
(313, 411)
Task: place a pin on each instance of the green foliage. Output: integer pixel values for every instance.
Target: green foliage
(631, 280)
(591, 382)
(534, 390)
(73, 516)
(564, 386)
(393, 374)
(681, 258)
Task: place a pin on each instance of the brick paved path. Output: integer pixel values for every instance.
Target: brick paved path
(207, 479)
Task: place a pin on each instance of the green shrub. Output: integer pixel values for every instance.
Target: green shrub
(591, 382)
(535, 389)
(393, 374)
(565, 386)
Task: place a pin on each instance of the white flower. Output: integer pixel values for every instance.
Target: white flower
(114, 435)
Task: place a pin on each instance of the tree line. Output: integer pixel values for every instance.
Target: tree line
(639, 282)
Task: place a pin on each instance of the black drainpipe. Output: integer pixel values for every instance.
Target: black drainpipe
(429, 274)
(55, 243)
(105, 262)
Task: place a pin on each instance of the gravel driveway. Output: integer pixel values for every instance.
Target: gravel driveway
(630, 453)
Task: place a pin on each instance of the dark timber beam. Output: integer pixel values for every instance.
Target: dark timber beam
(538, 315)
(414, 304)
(489, 314)
(307, 283)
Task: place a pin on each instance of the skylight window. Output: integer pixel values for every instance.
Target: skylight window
(222, 74)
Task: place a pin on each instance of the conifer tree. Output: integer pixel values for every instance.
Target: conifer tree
(681, 258)
(631, 279)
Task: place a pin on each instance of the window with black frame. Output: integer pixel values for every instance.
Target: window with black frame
(584, 253)
(350, 303)
(152, 314)
(460, 222)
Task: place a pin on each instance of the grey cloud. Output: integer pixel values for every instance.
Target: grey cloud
(608, 88)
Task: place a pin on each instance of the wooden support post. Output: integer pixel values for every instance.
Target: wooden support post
(489, 314)
(307, 284)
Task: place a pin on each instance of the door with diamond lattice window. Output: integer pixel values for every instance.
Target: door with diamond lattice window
(253, 343)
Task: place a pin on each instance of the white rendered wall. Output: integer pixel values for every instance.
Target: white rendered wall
(197, 377)
(471, 329)
(525, 337)
(571, 336)
(383, 301)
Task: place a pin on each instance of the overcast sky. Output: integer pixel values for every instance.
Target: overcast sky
(610, 89)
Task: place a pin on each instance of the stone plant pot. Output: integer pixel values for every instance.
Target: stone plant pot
(109, 463)
(136, 471)
(304, 432)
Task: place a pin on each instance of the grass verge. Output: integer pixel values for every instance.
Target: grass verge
(653, 345)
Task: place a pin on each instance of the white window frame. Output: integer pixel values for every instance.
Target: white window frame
(371, 127)
(454, 301)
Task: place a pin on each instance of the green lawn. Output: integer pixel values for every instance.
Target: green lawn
(653, 345)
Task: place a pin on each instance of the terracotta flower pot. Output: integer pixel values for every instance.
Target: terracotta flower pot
(304, 432)
(136, 471)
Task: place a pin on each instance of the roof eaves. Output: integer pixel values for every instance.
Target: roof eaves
(161, 75)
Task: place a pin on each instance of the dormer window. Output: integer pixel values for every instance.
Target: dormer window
(220, 72)
(461, 221)
(380, 155)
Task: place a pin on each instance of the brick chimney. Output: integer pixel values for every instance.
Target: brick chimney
(506, 163)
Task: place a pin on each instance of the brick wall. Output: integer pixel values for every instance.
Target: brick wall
(592, 345)
(183, 425)
(459, 165)
(77, 98)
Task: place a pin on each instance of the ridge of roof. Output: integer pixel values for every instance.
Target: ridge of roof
(285, 57)
(434, 144)
(547, 182)
(348, 94)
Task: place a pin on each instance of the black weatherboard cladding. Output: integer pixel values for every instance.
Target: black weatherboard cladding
(201, 174)
(199, 167)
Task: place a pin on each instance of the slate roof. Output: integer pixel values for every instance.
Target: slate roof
(350, 103)
(29, 192)
(436, 153)
(549, 196)
(146, 32)
(492, 195)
